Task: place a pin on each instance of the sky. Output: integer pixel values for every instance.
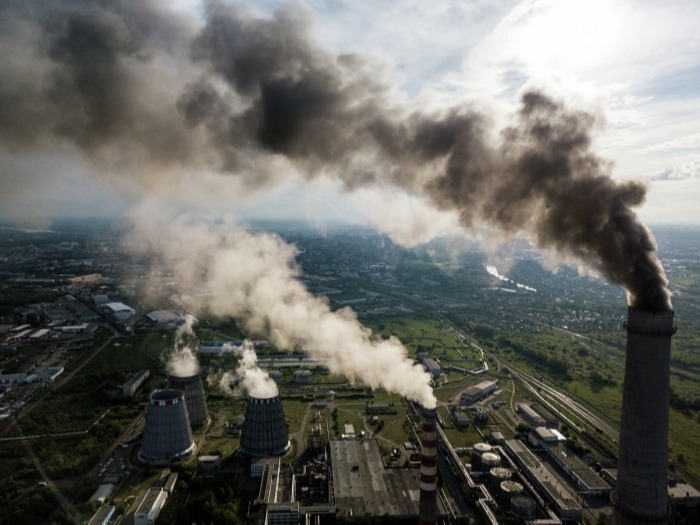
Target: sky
(634, 64)
(569, 123)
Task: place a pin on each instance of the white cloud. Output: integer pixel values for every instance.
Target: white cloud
(680, 172)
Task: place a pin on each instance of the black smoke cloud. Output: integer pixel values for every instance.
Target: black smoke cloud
(138, 89)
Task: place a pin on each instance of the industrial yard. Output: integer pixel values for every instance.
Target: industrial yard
(538, 384)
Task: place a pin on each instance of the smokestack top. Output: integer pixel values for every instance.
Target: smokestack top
(650, 322)
(429, 413)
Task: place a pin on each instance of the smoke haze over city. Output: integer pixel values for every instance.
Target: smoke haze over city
(207, 108)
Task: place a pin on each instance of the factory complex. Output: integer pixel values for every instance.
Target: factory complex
(346, 477)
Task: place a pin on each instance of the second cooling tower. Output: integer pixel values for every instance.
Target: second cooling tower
(194, 398)
(264, 431)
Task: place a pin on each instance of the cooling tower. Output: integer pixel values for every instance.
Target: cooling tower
(641, 493)
(194, 398)
(264, 431)
(427, 514)
(167, 435)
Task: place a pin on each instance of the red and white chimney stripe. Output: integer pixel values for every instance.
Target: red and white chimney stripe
(428, 469)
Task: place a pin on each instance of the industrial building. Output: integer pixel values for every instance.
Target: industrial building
(432, 367)
(551, 421)
(167, 435)
(683, 496)
(135, 381)
(460, 418)
(363, 487)
(259, 466)
(150, 505)
(276, 376)
(164, 319)
(118, 311)
(476, 392)
(102, 492)
(530, 416)
(303, 376)
(208, 466)
(585, 480)
(103, 515)
(546, 484)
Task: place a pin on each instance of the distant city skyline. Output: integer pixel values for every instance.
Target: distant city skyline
(636, 63)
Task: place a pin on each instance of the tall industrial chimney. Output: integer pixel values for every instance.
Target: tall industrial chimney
(427, 514)
(641, 493)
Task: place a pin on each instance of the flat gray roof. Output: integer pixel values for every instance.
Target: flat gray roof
(362, 485)
(555, 492)
(578, 467)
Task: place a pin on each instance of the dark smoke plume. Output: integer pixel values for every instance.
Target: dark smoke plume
(137, 89)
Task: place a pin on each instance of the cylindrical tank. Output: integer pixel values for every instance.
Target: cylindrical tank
(167, 435)
(508, 489)
(498, 475)
(641, 493)
(523, 507)
(490, 460)
(478, 450)
(194, 398)
(264, 431)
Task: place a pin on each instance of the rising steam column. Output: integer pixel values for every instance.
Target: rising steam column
(641, 493)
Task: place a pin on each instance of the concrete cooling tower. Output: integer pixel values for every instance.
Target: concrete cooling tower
(194, 398)
(641, 493)
(264, 431)
(167, 435)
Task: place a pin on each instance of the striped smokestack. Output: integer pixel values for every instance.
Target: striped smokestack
(641, 493)
(428, 469)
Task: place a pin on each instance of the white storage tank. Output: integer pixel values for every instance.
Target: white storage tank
(490, 460)
(509, 489)
(498, 475)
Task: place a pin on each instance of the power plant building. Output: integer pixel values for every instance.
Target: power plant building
(135, 381)
(564, 503)
(164, 319)
(476, 392)
(119, 311)
(303, 376)
(363, 487)
(167, 435)
(150, 506)
(530, 416)
(432, 367)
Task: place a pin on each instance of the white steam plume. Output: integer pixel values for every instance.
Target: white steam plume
(253, 278)
(248, 377)
(182, 362)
